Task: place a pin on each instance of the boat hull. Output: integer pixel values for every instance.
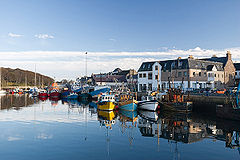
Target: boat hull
(130, 105)
(64, 94)
(106, 106)
(148, 105)
(72, 97)
(176, 107)
(43, 95)
(54, 95)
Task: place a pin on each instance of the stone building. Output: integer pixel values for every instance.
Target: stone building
(188, 73)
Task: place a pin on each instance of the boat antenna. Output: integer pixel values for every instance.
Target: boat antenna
(35, 82)
(86, 66)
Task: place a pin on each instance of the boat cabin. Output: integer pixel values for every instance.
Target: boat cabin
(107, 98)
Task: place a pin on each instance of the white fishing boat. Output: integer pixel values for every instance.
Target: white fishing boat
(148, 103)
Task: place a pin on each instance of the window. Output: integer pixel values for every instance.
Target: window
(179, 74)
(140, 87)
(236, 73)
(150, 86)
(218, 75)
(149, 66)
(144, 75)
(222, 75)
(194, 74)
(200, 74)
(144, 87)
(156, 68)
(140, 75)
(205, 74)
(144, 66)
(215, 75)
(185, 74)
(149, 75)
(156, 76)
(209, 75)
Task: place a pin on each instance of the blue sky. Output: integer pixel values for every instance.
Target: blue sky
(106, 25)
(117, 26)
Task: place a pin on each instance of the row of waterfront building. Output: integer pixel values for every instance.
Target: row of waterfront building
(189, 73)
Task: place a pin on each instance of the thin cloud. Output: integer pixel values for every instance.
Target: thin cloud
(44, 36)
(112, 39)
(14, 35)
(70, 64)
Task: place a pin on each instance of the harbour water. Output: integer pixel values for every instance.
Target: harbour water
(35, 129)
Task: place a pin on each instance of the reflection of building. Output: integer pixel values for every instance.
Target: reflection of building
(183, 131)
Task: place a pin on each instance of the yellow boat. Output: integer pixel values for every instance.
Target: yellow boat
(106, 102)
(106, 106)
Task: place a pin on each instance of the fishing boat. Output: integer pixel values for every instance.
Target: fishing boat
(148, 103)
(43, 93)
(34, 92)
(54, 91)
(127, 102)
(72, 96)
(174, 101)
(64, 93)
(106, 102)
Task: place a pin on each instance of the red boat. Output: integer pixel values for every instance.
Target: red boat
(54, 93)
(43, 93)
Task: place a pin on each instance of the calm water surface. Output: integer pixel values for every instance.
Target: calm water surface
(35, 129)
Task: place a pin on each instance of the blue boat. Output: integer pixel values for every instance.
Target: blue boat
(72, 96)
(64, 94)
(129, 105)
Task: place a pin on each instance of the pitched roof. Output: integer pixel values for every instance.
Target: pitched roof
(188, 63)
(217, 59)
(146, 66)
(237, 66)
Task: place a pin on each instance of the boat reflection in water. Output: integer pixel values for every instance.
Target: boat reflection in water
(106, 118)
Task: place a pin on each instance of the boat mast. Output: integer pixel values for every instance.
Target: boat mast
(35, 83)
(86, 66)
(25, 80)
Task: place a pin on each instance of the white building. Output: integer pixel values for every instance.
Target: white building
(149, 76)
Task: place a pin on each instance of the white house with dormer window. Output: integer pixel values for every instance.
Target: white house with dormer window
(149, 76)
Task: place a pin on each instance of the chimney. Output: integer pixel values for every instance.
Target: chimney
(214, 56)
(229, 55)
(190, 57)
(179, 58)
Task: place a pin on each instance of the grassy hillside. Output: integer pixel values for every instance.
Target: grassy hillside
(19, 77)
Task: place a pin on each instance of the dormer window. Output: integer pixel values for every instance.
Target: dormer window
(149, 66)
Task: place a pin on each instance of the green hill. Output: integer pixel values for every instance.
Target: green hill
(19, 77)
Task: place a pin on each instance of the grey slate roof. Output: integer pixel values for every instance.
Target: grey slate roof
(146, 66)
(237, 66)
(188, 63)
(217, 59)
